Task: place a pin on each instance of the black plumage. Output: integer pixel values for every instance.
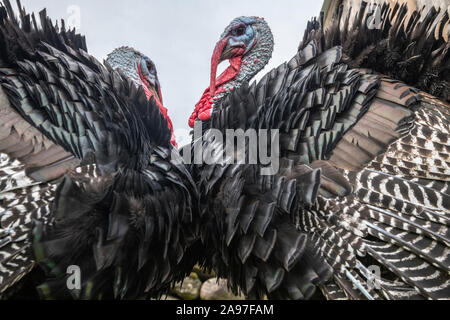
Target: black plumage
(364, 177)
(88, 174)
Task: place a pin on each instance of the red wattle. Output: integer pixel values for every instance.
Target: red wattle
(203, 107)
(231, 72)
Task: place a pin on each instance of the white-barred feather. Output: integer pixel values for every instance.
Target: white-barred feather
(22, 200)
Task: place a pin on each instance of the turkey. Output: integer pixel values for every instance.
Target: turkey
(88, 175)
(359, 121)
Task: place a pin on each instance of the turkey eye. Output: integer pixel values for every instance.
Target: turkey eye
(149, 67)
(240, 31)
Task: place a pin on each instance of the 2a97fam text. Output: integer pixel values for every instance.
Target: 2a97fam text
(245, 309)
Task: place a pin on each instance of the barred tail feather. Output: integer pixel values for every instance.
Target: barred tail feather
(22, 201)
(406, 238)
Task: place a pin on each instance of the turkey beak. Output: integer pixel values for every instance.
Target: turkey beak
(151, 81)
(233, 49)
(215, 60)
(227, 48)
(158, 90)
(155, 88)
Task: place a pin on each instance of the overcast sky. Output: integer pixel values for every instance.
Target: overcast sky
(178, 35)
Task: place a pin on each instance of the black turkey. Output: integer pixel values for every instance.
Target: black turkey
(88, 174)
(360, 205)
